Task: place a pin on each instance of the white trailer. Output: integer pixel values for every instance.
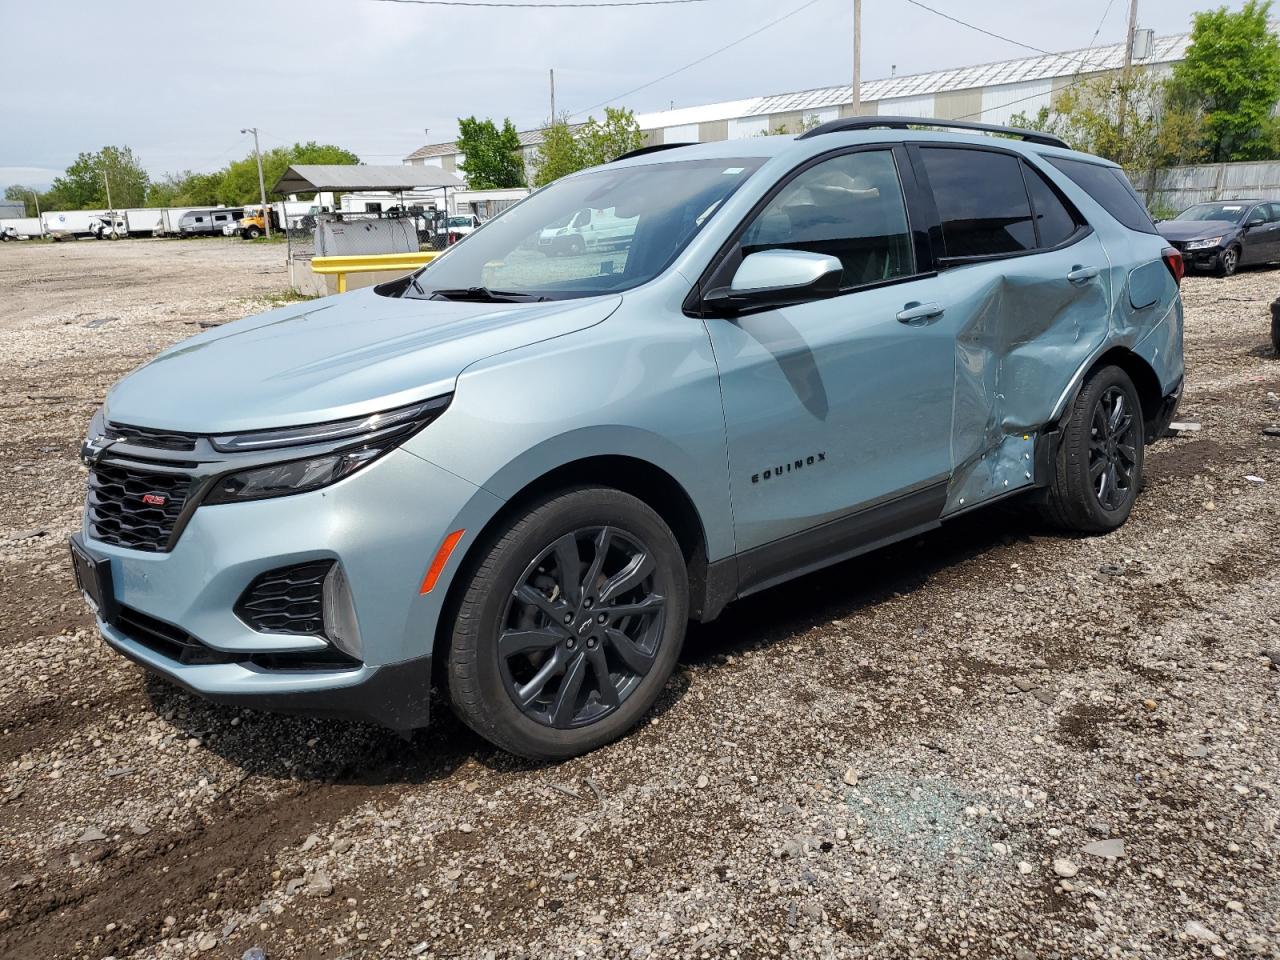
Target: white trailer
(19, 228)
(170, 217)
(66, 224)
(143, 221)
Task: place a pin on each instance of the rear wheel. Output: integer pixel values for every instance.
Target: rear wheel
(1098, 471)
(570, 625)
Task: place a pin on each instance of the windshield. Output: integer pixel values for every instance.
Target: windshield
(600, 232)
(1230, 212)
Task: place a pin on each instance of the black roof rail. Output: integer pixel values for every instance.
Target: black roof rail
(902, 123)
(654, 148)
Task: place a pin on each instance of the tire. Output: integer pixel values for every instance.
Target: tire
(1080, 498)
(526, 557)
(1275, 326)
(253, 233)
(576, 246)
(1228, 261)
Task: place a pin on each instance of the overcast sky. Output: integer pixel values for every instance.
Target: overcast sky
(177, 80)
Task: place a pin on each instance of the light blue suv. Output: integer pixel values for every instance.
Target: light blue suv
(518, 476)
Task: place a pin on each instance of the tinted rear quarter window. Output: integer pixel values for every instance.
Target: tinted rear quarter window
(1111, 189)
(981, 202)
(1055, 221)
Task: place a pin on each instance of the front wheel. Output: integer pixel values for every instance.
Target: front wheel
(1228, 262)
(1098, 470)
(253, 233)
(570, 624)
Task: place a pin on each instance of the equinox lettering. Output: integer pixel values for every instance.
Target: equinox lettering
(793, 466)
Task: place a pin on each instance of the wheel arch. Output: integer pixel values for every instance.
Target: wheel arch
(641, 479)
(1145, 380)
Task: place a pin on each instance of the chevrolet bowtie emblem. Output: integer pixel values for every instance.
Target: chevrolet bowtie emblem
(91, 450)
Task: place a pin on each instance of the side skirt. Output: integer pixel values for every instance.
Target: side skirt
(824, 545)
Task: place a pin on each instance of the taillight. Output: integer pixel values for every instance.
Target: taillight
(1173, 260)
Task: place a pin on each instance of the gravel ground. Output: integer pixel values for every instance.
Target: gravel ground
(993, 741)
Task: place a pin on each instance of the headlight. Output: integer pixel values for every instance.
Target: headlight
(377, 424)
(361, 441)
(1204, 244)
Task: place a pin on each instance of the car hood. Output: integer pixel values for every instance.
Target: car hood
(327, 359)
(1194, 229)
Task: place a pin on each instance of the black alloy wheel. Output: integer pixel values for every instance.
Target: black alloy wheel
(1114, 438)
(582, 627)
(1096, 474)
(568, 623)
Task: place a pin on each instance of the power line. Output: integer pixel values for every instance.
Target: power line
(1076, 79)
(974, 26)
(998, 36)
(540, 5)
(702, 59)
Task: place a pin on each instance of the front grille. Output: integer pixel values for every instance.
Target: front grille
(145, 437)
(287, 600)
(118, 513)
(166, 639)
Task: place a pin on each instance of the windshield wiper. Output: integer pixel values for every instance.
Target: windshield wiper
(485, 295)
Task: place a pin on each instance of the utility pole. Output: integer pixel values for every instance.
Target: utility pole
(262, 186)
(1128, 65)
(107, 183)
(553, 96)
(857, 57)
(1129, 37)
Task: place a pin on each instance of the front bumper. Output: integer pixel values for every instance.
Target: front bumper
(383, 525)
(396, 696)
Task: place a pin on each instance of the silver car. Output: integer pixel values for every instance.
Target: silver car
(517, 477)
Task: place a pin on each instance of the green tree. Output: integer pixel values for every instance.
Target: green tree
(82, 186)
(492, 159)
(1231, 75)
(24, 194)
(559, 154)
(1125, 116)
(602, 142)
(239, 182)
(185, 189)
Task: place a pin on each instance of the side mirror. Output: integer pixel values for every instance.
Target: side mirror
(774, 278)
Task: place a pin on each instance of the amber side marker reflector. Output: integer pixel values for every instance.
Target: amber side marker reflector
(442, 557)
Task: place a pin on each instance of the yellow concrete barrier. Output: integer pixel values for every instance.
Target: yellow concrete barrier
(370, 263)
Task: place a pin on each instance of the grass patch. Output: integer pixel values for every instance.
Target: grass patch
(281, 298)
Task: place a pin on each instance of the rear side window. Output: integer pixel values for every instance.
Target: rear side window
(1111, 189)
(1055, 221)
(981, 202)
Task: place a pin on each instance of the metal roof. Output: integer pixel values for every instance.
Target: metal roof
(1042, 67)
(313, 177)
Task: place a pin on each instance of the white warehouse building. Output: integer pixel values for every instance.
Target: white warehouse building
(987, 93)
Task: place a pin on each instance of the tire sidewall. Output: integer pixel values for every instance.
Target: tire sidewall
(474, 647)
(1074, 451)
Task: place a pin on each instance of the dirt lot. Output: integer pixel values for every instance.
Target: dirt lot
(904, 756)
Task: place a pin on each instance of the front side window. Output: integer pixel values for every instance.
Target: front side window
(981, 201)
(849, 207)
(595, 233)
